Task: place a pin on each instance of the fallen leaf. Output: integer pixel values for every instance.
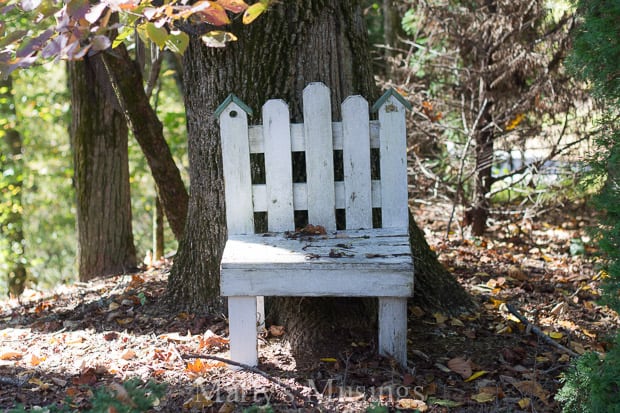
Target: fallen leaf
(417, 311)
(524, 403)
(11, 355)
(476, 375)
(87, 377)
(440, 318)
(444, 402)
(39, 383)
(124, 321)
(460, 366)
(532, 388)
(329, 360)
(198, 401)
(227, 407)
(211, 340)
(128, 355)
(412, 404)
(33, 360)
(276, 331)
(483, 397)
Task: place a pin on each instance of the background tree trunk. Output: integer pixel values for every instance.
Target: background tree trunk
(126, 78)
(11, 184)
(99, 138)
(276, 57)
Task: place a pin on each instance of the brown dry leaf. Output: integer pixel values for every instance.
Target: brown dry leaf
(412, 404)
(128, 355)
(124, 321)
(276, 331)
(121, 394)
(87, 377)
(516, 273)
(483, 397)
(440, 318)
(33, 360)
(113, 306)
(532, 388)
(199, 367)
(210, 340)
(460, 366)
(417, 311)
(11, 355)
(495, 390)
(176, 337)
(227, 407)
(198, 401)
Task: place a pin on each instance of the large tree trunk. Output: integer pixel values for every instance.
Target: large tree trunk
(11, 184)
(276, 57)
(99, 139)
(127, 81)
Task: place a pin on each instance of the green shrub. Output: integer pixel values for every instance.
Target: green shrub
(592, 385)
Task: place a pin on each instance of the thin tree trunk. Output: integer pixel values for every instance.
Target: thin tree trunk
(99, 139)
(479, 212)
(11, 185)
(127, 81)
(158, 230)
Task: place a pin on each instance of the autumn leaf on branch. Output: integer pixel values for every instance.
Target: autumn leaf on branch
(73, 29)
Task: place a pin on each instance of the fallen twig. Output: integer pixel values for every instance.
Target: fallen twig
(13, 381)
(253, 370)
(539, 332)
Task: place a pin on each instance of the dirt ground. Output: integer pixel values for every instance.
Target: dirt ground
(61, 347)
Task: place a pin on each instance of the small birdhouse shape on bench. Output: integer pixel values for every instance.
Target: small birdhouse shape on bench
(352, 259)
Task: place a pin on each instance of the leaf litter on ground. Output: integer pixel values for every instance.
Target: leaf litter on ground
(79, 339)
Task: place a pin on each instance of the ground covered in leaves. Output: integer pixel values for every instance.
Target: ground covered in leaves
(63, 347)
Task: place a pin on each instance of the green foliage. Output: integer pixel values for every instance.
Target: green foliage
(377, 408)
(592, 385)
(259, 409)
(596, 54)
(133, 396)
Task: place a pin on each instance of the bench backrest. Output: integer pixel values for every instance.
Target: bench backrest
(318, 137)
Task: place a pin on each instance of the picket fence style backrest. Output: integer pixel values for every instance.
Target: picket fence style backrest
(318, 136)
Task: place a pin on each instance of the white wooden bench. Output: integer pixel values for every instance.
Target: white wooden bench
(358, 261)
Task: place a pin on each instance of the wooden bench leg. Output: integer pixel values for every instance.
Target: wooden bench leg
(242, 326)
(260, 313)
(393, 328)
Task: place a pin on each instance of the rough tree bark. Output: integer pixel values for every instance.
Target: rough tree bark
(99, 139)
(11, 184)
(275, 57)
(127, 82)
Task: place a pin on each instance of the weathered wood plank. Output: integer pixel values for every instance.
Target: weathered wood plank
(298, 141)
(242, 327)
(393, 164)
(278, 166)
(317, 114)
(236, 161)
(300, 196)
(356, 160)
(393, 328)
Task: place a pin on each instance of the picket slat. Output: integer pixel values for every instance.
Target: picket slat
(237, 178)
(319, 155)
(393, 164)
(356, 163)
(278, 166)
